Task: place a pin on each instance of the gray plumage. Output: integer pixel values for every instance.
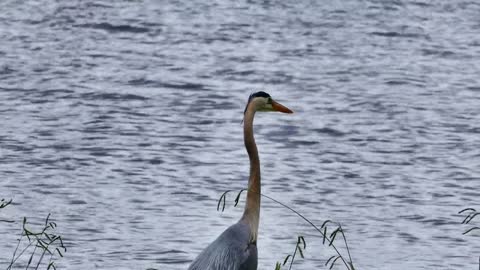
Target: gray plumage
(232, 250)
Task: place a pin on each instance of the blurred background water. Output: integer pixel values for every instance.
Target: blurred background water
(123, 120)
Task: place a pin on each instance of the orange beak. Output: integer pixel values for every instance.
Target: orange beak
(280, 108)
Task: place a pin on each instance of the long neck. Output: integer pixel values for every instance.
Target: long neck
(251, 214)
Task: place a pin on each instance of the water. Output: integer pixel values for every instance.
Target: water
(123, 121)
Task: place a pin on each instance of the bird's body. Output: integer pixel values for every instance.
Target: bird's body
(230, 251)
(236, 247)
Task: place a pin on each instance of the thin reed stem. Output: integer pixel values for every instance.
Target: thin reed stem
(301, 216)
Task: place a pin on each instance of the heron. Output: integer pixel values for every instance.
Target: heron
(236, 247)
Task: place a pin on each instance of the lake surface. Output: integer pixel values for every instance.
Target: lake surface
(123, 120)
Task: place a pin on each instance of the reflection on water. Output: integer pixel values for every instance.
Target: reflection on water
(123, 121)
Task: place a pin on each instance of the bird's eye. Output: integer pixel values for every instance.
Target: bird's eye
(269, 101)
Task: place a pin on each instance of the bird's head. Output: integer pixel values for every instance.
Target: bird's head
(263, 102)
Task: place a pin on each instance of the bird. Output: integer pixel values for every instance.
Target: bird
(236, 247)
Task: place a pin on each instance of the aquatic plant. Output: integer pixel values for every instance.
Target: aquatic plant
(327, 238)
(3, 204)
(39, 243)
(471, 214)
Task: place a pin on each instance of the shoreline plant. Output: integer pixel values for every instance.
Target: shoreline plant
(328, 236)
(39, 244)
(471, 214)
